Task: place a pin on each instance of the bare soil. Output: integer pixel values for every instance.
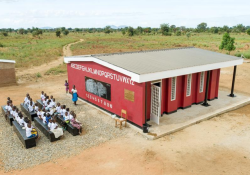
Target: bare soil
(217, 146)
(43, 68)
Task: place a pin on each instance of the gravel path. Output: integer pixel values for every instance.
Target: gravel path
(97, 126)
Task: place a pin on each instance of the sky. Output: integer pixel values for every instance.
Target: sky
(100, 13)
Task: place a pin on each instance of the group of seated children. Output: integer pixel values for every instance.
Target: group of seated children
(61, 110)
(49, 103)
(24, 122)
(32, 106)
(50, 121)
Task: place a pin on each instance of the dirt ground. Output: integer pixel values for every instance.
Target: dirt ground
(217, 146)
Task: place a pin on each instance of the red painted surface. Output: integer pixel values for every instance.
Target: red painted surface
(135, 110)
(148, 99)
(182, 100)
(213, 84)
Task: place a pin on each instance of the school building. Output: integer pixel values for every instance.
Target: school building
(7, 72)
(148, 84)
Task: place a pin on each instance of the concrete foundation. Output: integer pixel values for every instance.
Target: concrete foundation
(197, 113)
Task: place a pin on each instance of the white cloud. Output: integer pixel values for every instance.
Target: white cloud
(28, 13)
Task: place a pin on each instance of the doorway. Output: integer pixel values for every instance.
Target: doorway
(155, 110)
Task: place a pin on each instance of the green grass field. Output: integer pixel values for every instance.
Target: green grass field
(28, 51)
(107, 43)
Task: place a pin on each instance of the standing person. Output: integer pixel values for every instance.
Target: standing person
(74, 94)
(67, 86)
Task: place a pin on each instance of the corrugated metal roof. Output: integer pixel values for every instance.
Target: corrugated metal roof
(146, 62)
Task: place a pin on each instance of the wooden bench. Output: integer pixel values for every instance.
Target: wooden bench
(40, 103)
(71, 129)
(9, 117)
(21, 133)
(44, 128)
(30, 115)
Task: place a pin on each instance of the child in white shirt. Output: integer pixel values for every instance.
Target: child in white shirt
(49, 124)
(26, 98)
(53, 127)
(36, 107)
(58, 108)
(30, 107)
(42, 96)
(20, 120)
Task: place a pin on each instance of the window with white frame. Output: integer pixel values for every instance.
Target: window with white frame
(173, 88)
(189, 82)
(202, 82)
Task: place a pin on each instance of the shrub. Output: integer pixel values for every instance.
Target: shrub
(66, 32)
(1, 45)
(5, 33)
(38, 75)
(165, 29)
(130, 31)
(58, 33)
(178, 33)
(227, 43)
(188, 35)
(248, 31)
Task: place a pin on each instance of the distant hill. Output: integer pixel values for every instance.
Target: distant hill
(118, 27)
(46, 28)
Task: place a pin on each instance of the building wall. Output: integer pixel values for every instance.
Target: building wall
(183, 101)
(7, 73)
(135, 110)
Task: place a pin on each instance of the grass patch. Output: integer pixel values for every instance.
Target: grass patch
(61, 69)
(28, 51)
(115, 42)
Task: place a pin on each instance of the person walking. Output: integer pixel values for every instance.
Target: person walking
(67, 86)
(74, 94)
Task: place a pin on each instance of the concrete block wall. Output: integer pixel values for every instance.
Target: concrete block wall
(7, 73)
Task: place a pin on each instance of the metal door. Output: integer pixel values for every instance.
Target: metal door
(155, 104)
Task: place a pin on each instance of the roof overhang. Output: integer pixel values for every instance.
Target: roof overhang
(7, 61)
(158, 75)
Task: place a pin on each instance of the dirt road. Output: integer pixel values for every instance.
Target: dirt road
(43, 68)
(214, 147)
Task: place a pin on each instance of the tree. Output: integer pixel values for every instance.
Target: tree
(240, 28)
(147, 30)
(178, 33)
(107, 30)
(248, 31)
(188, 35)
(226, 29)
(139, 30)
(173, 28)
(4, 33)
(66, 32)
(123, 31)
(227, 43)
(58, 33)
(130, 31)
(214, 30)
(202, 27)
(165, 30)
(21, 31)
(37, 32)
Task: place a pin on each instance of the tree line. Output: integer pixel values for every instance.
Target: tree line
(164, 29)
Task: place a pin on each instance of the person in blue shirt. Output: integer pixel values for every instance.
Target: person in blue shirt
(48, 117)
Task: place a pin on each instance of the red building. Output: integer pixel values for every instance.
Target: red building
(148, 84)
